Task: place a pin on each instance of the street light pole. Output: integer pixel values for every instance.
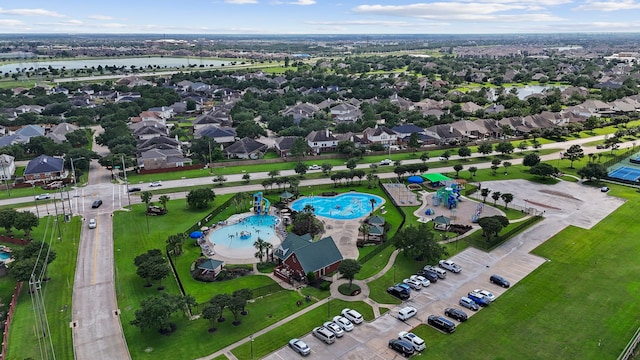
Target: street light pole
(329, 308)
(124, 169)
(73, 173)
(251, 342)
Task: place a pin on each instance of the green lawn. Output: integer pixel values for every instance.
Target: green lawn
(275, 339)
(566, 309)
(57, 293)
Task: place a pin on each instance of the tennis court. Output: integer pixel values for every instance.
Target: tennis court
(625, 173)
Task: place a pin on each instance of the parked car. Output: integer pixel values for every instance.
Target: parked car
(415, 340)
(430, 275)
(456, 314)
(414, 284)
(343, 322)
(324, 334)
(354, 316)
(96, 204)
(441, 323)
(406, 287)
(155, 184)
(489, 295)
(402, 346)
(398, 292)
(134, 189)
(499, 280)
(92, 224)
(407, 312)
(334, 328)
(604, 189)
(315, 167)
(599, 146)
(421, 279)
(468, 303)
(300, 347)
(43, 196)
(450, 265)
(386, 162)
(479, 298)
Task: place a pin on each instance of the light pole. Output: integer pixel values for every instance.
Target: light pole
(73, 173)
(329, 308)
(251, 342)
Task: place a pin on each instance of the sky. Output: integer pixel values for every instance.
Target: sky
(319, 16)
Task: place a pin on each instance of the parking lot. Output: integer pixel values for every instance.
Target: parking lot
(563, 204)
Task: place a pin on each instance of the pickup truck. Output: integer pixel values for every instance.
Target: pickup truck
(450, 265)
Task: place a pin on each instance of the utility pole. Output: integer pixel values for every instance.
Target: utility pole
(73, 171)
(126, 181)
(33, 186)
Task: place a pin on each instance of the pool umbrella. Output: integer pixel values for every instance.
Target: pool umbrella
(196, 235)
(415, 179)
(286, 195)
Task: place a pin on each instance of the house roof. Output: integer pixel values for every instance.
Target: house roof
(320, 136)
(376, 220)
(441, 219)
(285, 143)
(44, 164)
(407, 129)
(31, 131)
(216, 132)
(6, 160)
(210, 264)
(245, 146)
(317, 255)
(437, 177)
(291, 243)
(376, 230)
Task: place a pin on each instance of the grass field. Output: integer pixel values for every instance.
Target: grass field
(582, 304)
(57, 293)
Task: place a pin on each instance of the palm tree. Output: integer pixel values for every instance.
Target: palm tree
(364, 230)
(260, 245)
(164, 199)
(268, 248)
(146, 196)
(373, 205)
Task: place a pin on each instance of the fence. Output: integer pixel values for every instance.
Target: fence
(7, 323)
(212, 214)
(630, 349)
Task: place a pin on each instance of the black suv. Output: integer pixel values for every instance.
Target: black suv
(499, 280)
(398, 292)
(430, 275)
(456, 314)
(441, 323)
(96, 204)
(402, 346)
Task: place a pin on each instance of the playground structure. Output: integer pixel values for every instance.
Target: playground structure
(401, 194)
(448, 197)
(260, 204)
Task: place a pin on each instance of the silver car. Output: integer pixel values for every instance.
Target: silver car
(468, 303)
(334, 328)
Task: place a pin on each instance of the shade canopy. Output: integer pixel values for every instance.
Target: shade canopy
(415, 179)
(437, 177)
(286, 195)
(196, 235)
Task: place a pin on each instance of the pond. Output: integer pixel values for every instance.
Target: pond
(524, 91)
(138, 62)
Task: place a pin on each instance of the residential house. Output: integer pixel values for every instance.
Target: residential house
(322, 141)
(301, 111)
(245, 148)
(132, 81)
(219, 116)
(491, 127)
(165, 112)
(44, 168)
(283, 145)
(380, 135)
(35, 109)
(219, 134)
(156, 158)
(7, 167)
(151, 116)
(29, 131)
(345, 112)
(158, 142)
(299, 256)
(444, 134)
(402, 103)
(470, 129)
(147, 129)
(59, 132)
(494, 109)
(470, 107)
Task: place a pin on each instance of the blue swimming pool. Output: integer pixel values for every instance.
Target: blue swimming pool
(342, 207)
(4, 256)
(245, 232)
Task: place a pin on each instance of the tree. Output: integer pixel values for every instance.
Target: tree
(464, 152)
(506, 165)
(7, 219)
(175, 242)
(490, 226)
(219, 302)
(531, 160)
(593, 171)
(25, 221)
(495, 196)
(458, 168)
(504, 147)
(424, 157)
(236, 304)
(575, 152)
(301, 169)
(413, 142)
(78, 138)
(164, 199)
(300, 148)
(348, 268)
(155, 312)
(30, 258)
(273, 174)
(484, 193)
(352, 163)
(473, 170)
(507, 198)
(200, 198)
(485, 148)
(326, 168)
(543, 170)
(246, 177)
(151, 266)
(146, 196)
(419, 243)
(260, 245)
(523, 145)
(446, 155)
(245, 294)
(536, 144)
(495, 163)
(219, 179)
(373, 204)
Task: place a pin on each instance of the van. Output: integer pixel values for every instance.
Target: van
(438, 271)
(324, 334)
(407, 312)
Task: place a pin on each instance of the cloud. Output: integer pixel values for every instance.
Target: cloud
(361, 23)
(11, 22)
(30, 12)
(608, 5)
(241, 2)
(100, 17)
(303, 2)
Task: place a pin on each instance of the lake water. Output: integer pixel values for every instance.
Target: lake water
(524, 91)
(162, 62)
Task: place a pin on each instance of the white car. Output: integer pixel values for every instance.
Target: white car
(315, 167)
(450, 265)
(413, 339)
(486, 294)
(415, 284)
(155, 184)
(92, 224)
(300, 347)
(423, 280)
(43, 197)
(334, 328)
(343, 322)
(353, 316)
(386, 162)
